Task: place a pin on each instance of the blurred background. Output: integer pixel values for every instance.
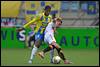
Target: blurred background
(79, 17)
(73, 13)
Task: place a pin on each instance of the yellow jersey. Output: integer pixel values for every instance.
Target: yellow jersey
(41, 21)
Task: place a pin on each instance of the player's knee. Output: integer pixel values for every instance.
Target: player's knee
(37, 43)
(38, 46)
(55, 45)
(51, 46)
(35, 47)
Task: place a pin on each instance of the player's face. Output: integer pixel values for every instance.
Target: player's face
(47, 12)
(58, 23)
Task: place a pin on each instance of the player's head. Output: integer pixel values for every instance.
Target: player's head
(47, 10)
(58, 22)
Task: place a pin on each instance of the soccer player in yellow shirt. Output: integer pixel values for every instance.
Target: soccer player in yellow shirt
(41, 22)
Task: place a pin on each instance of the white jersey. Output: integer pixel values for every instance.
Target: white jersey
(49, 28)
(49, 33)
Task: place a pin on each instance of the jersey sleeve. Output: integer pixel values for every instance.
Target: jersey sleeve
(32, 21)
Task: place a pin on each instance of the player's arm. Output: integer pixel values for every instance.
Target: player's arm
(31, 22)
(27, 24)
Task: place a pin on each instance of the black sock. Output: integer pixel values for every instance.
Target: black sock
(30, 40)
(61, 54)
(46, 49)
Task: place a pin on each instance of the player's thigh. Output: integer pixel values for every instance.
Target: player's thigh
(38, 43)
(38, 40)
(50, 38)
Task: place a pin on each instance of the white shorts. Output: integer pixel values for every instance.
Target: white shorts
(49, 38)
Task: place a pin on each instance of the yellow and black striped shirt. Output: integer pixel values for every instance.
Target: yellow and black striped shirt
(41, 21)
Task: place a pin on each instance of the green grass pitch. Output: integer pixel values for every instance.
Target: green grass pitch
(79, 57)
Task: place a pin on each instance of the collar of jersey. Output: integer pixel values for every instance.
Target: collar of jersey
(45, 16)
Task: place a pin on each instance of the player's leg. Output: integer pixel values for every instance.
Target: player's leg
(51, 55)
(37, 44)
(47, 39)
(31, 38)
(60, 53)
(42, 53)
(33, 52)
(51, 40)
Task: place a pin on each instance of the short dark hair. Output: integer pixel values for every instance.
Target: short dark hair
(47, 7)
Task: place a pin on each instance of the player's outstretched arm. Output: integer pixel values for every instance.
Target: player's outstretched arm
(29, 23)
(32, 21)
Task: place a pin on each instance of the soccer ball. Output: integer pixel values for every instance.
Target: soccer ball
(56, 59)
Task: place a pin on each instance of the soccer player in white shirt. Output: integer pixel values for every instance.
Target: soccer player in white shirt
(50, 39)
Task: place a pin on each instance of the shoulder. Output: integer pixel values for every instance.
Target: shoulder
(38, 15)
(51, 23)
(50, 16)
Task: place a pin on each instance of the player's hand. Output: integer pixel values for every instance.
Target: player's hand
(20, 29)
